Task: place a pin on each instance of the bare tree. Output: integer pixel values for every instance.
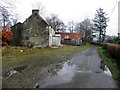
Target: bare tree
(77, 27)
(71, 26)
(8, 3)
(38, 5)
(85, 29)
(6, 10)
(56, 23)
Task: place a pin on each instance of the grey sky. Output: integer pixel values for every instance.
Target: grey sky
(76, 10)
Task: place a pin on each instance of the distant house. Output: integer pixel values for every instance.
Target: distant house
(34, 31)
(71, 38)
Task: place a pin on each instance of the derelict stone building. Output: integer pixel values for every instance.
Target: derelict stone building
(34, 31)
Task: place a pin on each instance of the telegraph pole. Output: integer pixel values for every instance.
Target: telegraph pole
(119, 19)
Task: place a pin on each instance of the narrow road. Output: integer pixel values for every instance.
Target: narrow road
(82, 71)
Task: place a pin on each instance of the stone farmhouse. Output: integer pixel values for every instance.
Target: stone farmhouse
(35, 31)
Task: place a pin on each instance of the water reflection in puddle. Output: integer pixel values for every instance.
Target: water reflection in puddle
(64, 75)
(67, 72)
(107, 71)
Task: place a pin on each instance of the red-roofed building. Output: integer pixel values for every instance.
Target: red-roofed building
(71, 38)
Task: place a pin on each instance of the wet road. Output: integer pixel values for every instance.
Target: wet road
(82, 71)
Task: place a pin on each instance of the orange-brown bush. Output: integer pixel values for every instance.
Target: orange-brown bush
(114, 51)
(5, 36)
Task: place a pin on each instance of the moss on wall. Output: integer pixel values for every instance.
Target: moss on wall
(35, 31)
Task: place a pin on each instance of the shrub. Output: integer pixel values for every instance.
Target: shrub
(113, 50)
(96, 43)
(5, 36)
(117, 40)
(104, 45)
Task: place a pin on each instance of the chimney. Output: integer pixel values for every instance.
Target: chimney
(35, 11)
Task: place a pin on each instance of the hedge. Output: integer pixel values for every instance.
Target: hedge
(113, 50)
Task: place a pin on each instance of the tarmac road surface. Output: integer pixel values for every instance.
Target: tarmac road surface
(82, 71)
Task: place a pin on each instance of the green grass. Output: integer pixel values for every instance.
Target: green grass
(40, 63)
(12, 56)
(110, 63)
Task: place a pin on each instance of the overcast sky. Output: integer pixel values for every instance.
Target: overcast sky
(76, 10)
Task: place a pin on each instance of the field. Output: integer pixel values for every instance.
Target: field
(33, 64)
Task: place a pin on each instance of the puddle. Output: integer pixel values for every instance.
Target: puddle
(14, 71)
(64, 75)
(20, 68)
(97, 72)
(9, 73)
(84, 71)
(107, 71)
(67, 72)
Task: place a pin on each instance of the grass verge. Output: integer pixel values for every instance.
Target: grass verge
(110, 63)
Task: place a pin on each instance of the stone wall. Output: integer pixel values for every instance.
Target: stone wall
(35, 32)
(17, 34)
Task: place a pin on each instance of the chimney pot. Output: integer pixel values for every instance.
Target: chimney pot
(35, 11)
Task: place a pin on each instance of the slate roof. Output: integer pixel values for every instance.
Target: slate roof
(39, 17)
